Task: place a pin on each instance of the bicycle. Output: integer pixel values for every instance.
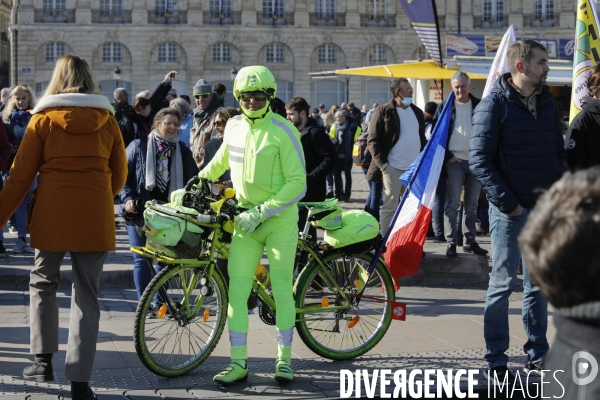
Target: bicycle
(342, 311)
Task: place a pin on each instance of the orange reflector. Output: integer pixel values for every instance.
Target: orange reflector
(353, 322)
(356, 282)
(206, 314)
(325, 302)
(162, 311)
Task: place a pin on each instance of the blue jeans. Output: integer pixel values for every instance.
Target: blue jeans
(506, 254)
(141, 267)
(374, 198)
(329, 180)
(21, 212)
(438, 209)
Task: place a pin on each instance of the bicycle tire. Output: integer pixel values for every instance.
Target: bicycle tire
(318, 330)
(173, 345)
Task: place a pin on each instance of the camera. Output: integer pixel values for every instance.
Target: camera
(138, 205)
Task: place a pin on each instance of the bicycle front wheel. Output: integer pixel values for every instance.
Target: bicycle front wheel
(351, 332)
(170, 339)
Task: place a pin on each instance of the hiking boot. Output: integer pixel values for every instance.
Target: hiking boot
(474, 248)
(233, 373)
(534, 368)
(451, 251)
(22, 247)
(283, 371)
(499, 376)
(81, 391)
(39, 371)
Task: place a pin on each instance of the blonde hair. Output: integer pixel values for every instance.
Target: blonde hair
(12, 102)
(72, 74)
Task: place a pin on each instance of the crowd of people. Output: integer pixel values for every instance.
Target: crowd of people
(501, 150)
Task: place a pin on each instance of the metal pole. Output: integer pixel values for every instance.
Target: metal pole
(347, 89)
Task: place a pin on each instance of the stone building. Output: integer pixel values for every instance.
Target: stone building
(211, 38)
(5, 8)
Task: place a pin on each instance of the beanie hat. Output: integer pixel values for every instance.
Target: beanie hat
(202, 86)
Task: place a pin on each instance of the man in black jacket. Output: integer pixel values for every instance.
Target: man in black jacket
(516, 148)
(456, 168)
(121, 103)
(319, 153)
(396, 137)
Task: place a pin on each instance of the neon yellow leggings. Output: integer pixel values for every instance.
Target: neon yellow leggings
(280, 238)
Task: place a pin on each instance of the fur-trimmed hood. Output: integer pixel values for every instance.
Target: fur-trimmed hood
(76, 113)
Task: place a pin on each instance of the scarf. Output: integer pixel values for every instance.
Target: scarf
(19, 121)
(339, 129)
(159, 151)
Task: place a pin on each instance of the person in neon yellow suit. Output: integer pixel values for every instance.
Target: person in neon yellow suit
(265, 157)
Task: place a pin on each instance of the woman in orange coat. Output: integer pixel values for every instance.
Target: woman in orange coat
(74, 143)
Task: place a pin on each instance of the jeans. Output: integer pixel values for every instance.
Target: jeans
(141, 266)
(506, 254)
(438, 209)
(459, 176)
(21, 213)
(329, 180)
(343, 165)
(374, 198)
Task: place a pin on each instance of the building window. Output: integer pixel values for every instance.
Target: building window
(167, 52)
(543, 9)
(325, 7)
(222, 53)
(378, 55)
(111, 52)
(54, 5)
(275, 53)
(328, 54)
(493, 10)
(274, 6)
(285, 90)
(115, 6)
(54, 51)
(376, 7)
(163, 6)
(220, 6)
(40, 87)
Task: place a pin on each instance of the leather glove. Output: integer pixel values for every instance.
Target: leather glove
(249, 220)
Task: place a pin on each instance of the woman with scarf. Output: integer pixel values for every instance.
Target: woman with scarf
(16, 117)
(158, 165)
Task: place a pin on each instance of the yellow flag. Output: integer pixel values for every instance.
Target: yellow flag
(587, 53)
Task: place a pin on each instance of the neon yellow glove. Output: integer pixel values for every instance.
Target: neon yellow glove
(249, 220)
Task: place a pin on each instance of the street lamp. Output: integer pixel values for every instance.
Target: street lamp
(347, 87)
(233, 73)
(117, 76)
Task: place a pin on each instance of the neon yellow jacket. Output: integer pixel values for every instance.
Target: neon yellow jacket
(267, 166)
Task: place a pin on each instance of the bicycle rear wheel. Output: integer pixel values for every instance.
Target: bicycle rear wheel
(348, 333)
(168, 340)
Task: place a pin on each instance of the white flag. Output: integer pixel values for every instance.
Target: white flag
(500, 64)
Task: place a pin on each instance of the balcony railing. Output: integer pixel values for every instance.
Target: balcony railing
(111, 16)
(490, 22)
(378, 21)
(222, 18)
(54, 15)
(161, 16)
(267, 18)
(541, 20)
(327, 19)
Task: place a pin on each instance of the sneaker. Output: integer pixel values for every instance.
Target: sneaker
(2, 249)
(499, 376)
(82, 393)
(451, 251)
(233, 373)
(475, 248)
(12, 229)
(283, 371)
(329, 195)
(22, 247)
(534, 368)
(39, 371)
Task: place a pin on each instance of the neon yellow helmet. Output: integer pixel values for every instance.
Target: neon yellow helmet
(253, 78)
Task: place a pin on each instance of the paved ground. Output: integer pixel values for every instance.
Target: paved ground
(443, 330)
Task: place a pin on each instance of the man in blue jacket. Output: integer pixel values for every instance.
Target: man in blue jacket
(516, 148)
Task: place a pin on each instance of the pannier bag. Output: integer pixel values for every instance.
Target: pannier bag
(172, 232)
(326, 218)
(357, 235)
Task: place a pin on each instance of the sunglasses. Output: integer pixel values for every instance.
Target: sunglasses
(170, 124)
(219, 123)
(258, 96)
(202, 96)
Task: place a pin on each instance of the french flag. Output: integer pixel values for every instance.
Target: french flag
(405, 238)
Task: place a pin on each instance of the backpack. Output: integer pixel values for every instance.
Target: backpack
(360, 154)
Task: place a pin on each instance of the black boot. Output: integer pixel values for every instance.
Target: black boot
(41, 370)
(81, 391)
